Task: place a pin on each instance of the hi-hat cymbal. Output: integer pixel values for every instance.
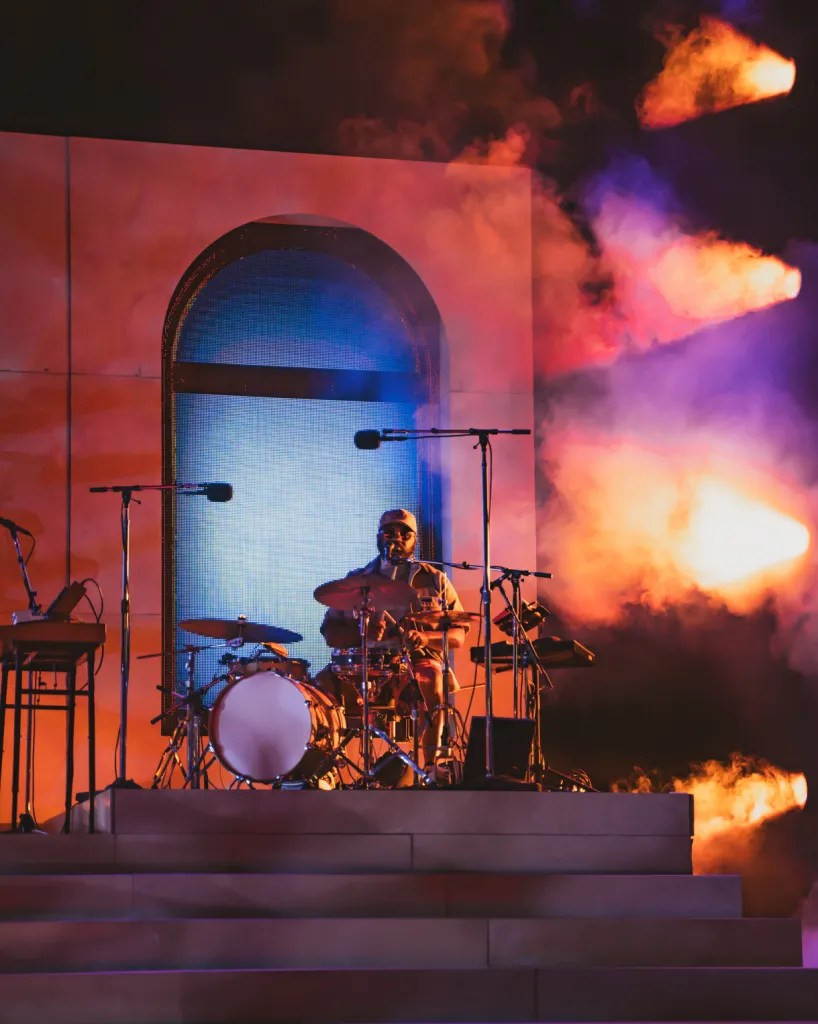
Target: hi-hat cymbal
(348, 593)
(240, 629)
(437, 619)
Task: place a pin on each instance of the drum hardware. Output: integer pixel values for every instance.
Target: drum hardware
(188, 730)
(364, 594)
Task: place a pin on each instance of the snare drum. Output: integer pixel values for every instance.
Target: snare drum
(266, 726)
(347, 664)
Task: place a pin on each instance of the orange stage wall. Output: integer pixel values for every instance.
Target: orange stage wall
(94, 237)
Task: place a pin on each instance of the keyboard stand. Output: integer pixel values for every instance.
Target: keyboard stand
(54, 647)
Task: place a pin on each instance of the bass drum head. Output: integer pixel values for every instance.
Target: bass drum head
(260, 726)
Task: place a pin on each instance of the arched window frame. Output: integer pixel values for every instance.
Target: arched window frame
(416, 309)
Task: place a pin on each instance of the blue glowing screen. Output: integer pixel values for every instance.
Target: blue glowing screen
(306, 501)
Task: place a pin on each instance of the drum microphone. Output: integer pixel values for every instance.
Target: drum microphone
(369, 439)
(213, 492)
(9, 525)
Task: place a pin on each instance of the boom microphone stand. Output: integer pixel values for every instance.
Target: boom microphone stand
(214, 492)
(367, 439)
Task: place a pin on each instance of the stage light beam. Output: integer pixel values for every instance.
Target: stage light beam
(731, 537)
(712, 69)
(706, 278)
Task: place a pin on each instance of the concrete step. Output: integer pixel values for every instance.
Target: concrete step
(495, 995)
(350, 852)
(364, 943)
(49, 896)
(389, 812)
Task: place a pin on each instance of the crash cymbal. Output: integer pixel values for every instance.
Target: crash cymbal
(440, 620)
(348, 593)
(240, 629)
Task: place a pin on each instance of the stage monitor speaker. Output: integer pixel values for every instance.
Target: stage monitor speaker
(512, 747)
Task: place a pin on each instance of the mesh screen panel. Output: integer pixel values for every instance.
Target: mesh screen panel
(306, 501)
(290, 308)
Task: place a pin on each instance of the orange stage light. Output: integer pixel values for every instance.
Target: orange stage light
(710, 279)
(730, 801)
(714, 68)
(699, 520)
(730, 537)
(741, 795)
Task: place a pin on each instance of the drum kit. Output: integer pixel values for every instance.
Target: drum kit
(271, 724)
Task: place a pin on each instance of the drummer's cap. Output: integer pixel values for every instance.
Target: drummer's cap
(398, 515)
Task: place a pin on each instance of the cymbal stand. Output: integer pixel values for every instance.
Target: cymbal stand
(422, 778)
(364, 613)
(188, 730)
(369, 730)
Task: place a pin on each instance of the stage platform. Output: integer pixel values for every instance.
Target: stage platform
(216, 907)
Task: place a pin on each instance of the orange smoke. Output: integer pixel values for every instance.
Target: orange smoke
(730, 801)
(709, 279)
(670, 283)
(650, 284)
(740, 795)
(712, 69)
(633, 525)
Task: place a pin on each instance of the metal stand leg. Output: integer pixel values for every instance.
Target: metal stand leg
(27, 822)
(71, 704)
(92, 746)
(4, 684)
(15, 764)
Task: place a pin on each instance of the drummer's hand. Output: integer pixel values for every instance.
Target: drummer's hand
(415, 639)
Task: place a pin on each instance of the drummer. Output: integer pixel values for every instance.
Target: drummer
(396, 540)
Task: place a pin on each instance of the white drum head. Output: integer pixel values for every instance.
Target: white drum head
(260, 726)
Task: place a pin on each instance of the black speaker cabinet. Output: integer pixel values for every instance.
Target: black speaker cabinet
(512, 747)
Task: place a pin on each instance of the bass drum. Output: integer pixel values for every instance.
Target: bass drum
(266, 726)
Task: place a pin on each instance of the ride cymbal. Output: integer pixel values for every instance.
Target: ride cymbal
(240, 629)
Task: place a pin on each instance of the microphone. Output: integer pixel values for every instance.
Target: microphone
(213, 492)
(9, 525)
(368, 439)
(218, 492)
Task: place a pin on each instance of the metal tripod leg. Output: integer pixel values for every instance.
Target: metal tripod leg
(170, 759)
(401, 755)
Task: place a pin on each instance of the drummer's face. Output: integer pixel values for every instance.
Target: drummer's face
(396, 541)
